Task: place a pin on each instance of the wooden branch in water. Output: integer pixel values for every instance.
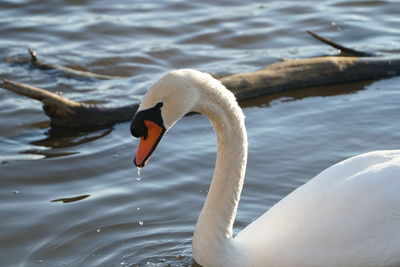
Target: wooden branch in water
(343, 49)
(301, 73)
(86, 74)
(66, 70)
(278, 77)
(67, 113)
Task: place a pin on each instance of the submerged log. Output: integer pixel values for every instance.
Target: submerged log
(283, 76)
(278, 77)
(66, 70)
(301, 73)
(67, 113)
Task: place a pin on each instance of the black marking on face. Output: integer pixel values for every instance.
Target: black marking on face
(138, 128)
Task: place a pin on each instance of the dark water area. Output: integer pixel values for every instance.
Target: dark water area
(74, 199)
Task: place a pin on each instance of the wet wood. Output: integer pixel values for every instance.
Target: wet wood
(66, 70)
(301, 73)
(71, 72)
(275, 78)
(67, 113)
(278, 77)
(344, 50)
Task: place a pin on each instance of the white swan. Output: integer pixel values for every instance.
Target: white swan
(348, 215)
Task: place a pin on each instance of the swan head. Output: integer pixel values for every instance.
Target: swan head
(174, 95)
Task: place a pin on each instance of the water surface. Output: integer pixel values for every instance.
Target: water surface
(73, 199)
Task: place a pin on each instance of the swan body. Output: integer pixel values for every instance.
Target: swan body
(348, 215)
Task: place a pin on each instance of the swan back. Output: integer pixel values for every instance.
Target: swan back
(348, 215)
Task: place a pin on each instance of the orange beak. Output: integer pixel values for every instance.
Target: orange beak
(149, 143)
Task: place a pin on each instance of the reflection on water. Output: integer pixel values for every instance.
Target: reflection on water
(299, 94)
(62, 138)
(292, 136)
(45, 153)
(57, 139)
(70, 199)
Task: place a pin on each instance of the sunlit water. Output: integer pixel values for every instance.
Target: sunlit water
(76, 199)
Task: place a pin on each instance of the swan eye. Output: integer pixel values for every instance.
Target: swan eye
(138, 128)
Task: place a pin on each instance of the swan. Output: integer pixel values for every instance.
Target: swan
(348, 215)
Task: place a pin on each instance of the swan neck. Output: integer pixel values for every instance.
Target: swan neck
(215, 223)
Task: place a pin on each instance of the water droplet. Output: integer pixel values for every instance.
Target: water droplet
(180, 256)
(39, 261)
(16, 192)
(123, 262)
(138, 174)
(98, 230)
(141, 222)
(138, 208)
(115, 156)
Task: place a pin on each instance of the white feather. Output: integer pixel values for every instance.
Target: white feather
(348, 215)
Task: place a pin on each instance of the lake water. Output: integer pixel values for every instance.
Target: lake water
(111, 218)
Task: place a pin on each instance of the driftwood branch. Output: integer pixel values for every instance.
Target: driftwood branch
(66, 70)
(343, 49)
(86, 74)
(67, 113)
(278, 77)
(301, 73)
